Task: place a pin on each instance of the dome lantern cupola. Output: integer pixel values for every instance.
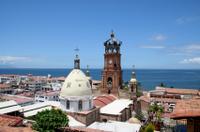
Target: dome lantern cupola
(133, 76)
(87, 71)
(133, 84)
(77, 60)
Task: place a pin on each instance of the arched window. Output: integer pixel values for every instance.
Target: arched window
(109, 91)
(80, 104)
(67, 104)
(109, 84)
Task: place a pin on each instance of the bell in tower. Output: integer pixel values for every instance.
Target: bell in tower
(112, 73)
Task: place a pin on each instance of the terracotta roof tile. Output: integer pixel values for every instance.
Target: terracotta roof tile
(18, 99)
(4, 86)
(15, 129)
(178, 91)
(103, 100)
(6, 120)
(187, 108)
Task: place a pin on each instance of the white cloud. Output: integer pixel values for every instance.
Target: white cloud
(183, 19)
(12, 59)
(195, 60)
(152, 47)
(159, 37)
(186, 50)
(193, 47)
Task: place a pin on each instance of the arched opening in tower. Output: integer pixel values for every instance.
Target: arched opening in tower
(109, 84)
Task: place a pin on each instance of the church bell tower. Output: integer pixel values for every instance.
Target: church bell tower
(112, 73)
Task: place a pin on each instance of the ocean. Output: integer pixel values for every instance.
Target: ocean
(147, 77)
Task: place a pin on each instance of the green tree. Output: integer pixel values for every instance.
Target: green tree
(49, 120)
(155, 112)
(149, 128)
(162, 84)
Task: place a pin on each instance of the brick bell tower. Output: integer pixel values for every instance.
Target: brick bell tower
(112, 73)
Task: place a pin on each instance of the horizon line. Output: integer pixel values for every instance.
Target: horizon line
(102, 68)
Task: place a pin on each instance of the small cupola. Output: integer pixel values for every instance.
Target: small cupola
(77, 60)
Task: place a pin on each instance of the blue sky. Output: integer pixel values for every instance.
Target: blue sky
(155, 33)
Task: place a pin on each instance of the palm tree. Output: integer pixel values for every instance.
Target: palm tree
(155, 112)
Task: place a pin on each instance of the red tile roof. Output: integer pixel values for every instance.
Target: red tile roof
(4, 86)
(149, 99)
(16, 129)
(103, 100)
(9, 75)
(179, 91)
(48, 93)
(186, 108)
(18, 99)
(6, 120)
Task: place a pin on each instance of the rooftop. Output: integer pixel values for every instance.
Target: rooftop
(48, 93)
(115, 126)
(187, 108)
(31, 110)
(165, 100)
(116, 106)
(6, 120)
(103, 100)
(178, 91)
(57, 79)
(4, 86)
(73, 122)
(7, 104)
(17, 98)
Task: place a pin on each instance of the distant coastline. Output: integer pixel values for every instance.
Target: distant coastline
(149, 78)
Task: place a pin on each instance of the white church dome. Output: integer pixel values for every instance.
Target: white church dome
(133, 80)
(76, 84)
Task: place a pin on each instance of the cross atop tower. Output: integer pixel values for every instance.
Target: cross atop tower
(133, 72)
(112, 35)
(133, 66)
(76, 51)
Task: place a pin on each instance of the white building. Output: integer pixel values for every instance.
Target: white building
(76, 92)
(36, 85)
(115, 126)
(5, 79)
(9, 107)
(54, 86)
(47, 96)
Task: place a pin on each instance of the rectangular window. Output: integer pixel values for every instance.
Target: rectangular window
(67, 104)
(80, 105)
